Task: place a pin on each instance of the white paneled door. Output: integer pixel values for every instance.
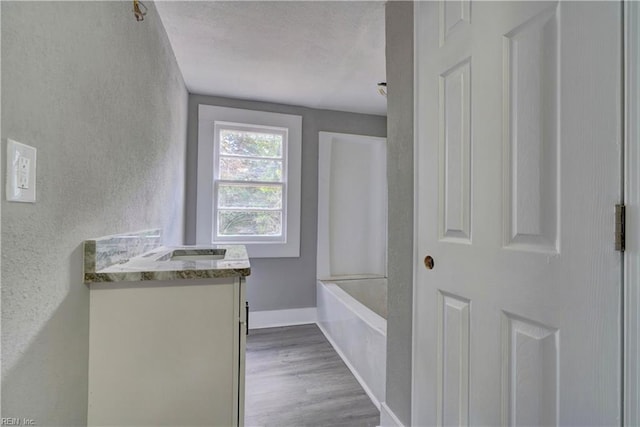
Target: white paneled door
(518, 115)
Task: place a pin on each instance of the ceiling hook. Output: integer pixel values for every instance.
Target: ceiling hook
(139, 13)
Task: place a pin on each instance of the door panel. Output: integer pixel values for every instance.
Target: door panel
(529, 372)
(531, 133)
(517, 144)
(455, 153)
(453, 16)
(453, 359)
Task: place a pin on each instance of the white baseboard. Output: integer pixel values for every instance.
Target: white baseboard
(363, 384)
(387, 417)
(276, 318)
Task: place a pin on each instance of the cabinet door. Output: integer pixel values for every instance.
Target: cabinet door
(165, 354)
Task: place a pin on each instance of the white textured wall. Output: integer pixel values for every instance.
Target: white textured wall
(101, 98)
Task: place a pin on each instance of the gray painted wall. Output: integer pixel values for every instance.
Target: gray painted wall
(102, 99)
(399, 33)
(282, 283)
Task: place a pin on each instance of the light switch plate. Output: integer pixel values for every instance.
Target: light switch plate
(21, 172)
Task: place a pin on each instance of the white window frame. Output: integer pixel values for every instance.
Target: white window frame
(246, 127)
(208, 115)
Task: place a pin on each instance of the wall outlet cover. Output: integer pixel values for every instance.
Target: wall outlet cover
(21, 172)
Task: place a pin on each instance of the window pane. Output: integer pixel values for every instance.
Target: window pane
(246, 223)
(249, 196)
(239, 169)
(252, 144)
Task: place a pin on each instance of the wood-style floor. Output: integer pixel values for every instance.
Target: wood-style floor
(295, 378)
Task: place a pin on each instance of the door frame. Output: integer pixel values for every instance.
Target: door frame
(631, 278)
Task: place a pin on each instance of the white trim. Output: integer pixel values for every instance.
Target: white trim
(277, 318)
(207, 116)
(388, 418)
(353, 370)
(632, 201)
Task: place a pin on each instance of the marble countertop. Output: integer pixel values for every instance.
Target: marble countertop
(156, 264)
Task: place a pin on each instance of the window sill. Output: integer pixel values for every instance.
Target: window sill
(271, 250)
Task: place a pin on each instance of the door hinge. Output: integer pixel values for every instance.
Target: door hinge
(620, 227)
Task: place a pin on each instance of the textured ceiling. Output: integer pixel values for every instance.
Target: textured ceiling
(319, 54)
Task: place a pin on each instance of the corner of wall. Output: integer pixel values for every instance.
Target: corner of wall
(399, 50)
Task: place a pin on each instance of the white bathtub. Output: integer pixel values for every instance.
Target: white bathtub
(356, 331)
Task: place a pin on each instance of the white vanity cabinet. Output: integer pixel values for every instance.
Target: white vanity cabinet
(167, 353)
